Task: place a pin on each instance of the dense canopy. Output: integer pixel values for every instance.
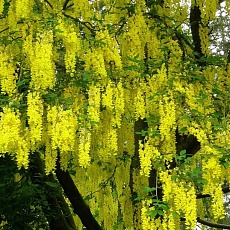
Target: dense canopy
(114, 110)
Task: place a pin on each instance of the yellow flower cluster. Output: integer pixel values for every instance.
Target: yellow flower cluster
(112, 141)
(34, 113)
(185, 202)
(145, 218)
(61, 128)
(11, 140)
(198, 132)
(147, 153)
(84, 147)
(82, 9)
(168, 222)
(113, 100)
(136, 35)
(109, 48)
(50, 158)
(22, 153)
(12, 20)
(119, 105)
(1, 6)
(166, 181)
(94, 61)
(204, 38)
(208, 9)
(94, 102)
(7, 74)
(153, 45)
(139, 102)
(190, 208)
(10, 126)
(167, 126)
(23, 8)
(42, 66)
(72, 45)
(175, 57)
(107, 97)
(27, 47)
(217, 206)
(213, 175)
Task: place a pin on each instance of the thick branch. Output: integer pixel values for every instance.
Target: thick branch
(66, 210)
(224, 190)
(57, 221)
(75, 198)
(195, 21)
(213, 225)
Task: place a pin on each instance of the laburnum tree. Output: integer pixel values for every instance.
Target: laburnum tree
(114, 114)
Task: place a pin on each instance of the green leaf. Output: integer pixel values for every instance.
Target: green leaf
(148, 189)
(72, 172)
(52, 184)
(175, 214)
(139, 197)
(142, 132)
(153, 213)
(160, 212)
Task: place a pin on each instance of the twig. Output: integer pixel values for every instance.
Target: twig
(4, 29)
(49, 3)
(65, 4)
(86, 24)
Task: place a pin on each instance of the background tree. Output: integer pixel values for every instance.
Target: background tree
(114, 114)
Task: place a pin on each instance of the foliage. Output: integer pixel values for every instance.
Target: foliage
(114, 111)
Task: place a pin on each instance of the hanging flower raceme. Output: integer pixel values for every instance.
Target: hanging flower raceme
(71, 42)
(84, 147)
(94, 103)
(61, 128)
(167, 126)
(42, 65)
(7, 74)
(23, 8)
(34, 113)
(13, 140)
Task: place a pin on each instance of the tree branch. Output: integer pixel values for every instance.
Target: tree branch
(65, 4)
(213, 225)
(54, 214)
(86, 24)
(200, 195)
(75, 198)
(39, 4)
(49, 3)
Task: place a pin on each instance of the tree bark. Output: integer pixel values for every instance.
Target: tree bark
(79, 206)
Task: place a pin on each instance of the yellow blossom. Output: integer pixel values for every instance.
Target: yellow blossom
(84, 147)
(42, 66)
(94, 103)
(34, 113)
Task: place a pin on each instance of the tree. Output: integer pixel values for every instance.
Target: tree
(114, 115)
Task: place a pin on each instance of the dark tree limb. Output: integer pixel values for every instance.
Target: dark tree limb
(68, 215)
(79, 206)
(195, 23)
(55, 215)
(213, 225)
(200, 195)
(65, 4)
(86, 24)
